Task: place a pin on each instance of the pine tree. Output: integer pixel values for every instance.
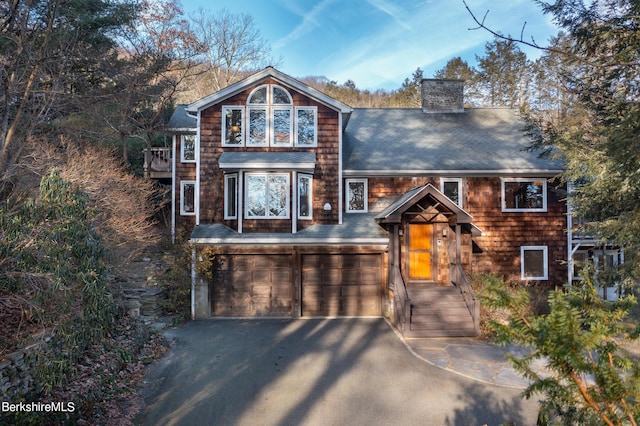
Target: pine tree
(591, 379)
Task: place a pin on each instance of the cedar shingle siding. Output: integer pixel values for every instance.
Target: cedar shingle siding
(341, 263)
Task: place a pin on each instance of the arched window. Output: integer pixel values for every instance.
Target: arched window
(270, 116)
(269, 119)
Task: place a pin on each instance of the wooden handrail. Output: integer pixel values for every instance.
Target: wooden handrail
(403, 306)
(459, 279)
(157, 158)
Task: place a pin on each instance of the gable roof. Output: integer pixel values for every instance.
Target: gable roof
(261, 75)
(408, 202)
(405, 141)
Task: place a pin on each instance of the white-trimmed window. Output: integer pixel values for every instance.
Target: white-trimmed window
(356, 193)
(258, 126)
(188, 197)
(524, 195)
(232, 126)
(452, 188)
(188, 148)
(267, 196)
(305, 196)
(534, 263)
(231, 196)
(282, 126)
(306, 125)
(269, 119)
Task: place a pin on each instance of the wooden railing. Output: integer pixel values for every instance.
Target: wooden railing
(402, 302)
(459, 279)
(157, 162)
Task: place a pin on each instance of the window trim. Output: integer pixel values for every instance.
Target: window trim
(226, 108)
(542, 209)
(309, 196)
(270, 110)
(271, 124)
(227, 205)
(267, 125)
(459, 203)
(272, 88)
(182, 150)
(314, 144)
(366, 195)
(545, 260)
(183, 184)
(267, 216)
(267, 95)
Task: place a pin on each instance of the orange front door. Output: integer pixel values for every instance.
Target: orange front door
(421, 252)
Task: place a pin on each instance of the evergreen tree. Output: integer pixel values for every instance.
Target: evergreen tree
(503, 74)
(410, 93)
(591, 379)
(53, 55)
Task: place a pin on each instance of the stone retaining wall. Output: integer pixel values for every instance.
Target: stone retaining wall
(15, 372)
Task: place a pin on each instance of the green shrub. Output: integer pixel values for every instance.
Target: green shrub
(592, 379)
(51, 260)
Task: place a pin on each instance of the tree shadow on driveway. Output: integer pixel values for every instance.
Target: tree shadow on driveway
(313, 372)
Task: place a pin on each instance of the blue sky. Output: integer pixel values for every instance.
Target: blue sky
(379, 43)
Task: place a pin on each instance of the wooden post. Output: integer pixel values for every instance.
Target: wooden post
(147, 161)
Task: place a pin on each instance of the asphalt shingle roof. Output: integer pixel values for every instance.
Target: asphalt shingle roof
(180, 120)
(398, 141)
(355, 229)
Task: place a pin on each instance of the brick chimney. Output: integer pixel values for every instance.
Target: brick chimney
(440, 95)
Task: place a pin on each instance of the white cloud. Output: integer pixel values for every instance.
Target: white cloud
(400, 16)
(310, 21)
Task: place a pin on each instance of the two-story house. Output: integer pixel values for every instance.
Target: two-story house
(304, 206)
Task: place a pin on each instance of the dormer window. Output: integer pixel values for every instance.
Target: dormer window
(270, 119)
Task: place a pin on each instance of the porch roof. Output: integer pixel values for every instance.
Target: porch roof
(356, 229)
(268, 160)
(394, 212)
(181, 121)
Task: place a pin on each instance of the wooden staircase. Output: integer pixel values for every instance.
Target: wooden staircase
(438, 311)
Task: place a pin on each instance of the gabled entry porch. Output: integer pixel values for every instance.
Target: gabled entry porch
(430, 246)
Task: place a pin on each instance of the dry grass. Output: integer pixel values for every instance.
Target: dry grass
(123, 204)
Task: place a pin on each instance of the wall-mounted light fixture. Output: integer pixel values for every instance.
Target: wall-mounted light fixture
(327, 207)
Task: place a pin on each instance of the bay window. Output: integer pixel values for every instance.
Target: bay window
(231, 196)
(267, 196)
(305, 196)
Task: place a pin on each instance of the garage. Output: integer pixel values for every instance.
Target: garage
(251, 285)
(341, 284)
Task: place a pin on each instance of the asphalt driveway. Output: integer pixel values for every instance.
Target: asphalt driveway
(314, 372)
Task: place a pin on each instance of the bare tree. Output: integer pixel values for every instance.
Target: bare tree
(233, 47)
(158, 53)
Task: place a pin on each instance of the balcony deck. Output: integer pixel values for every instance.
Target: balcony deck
(158, 163)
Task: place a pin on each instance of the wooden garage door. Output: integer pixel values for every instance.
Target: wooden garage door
(251, 285)
(341, 284)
